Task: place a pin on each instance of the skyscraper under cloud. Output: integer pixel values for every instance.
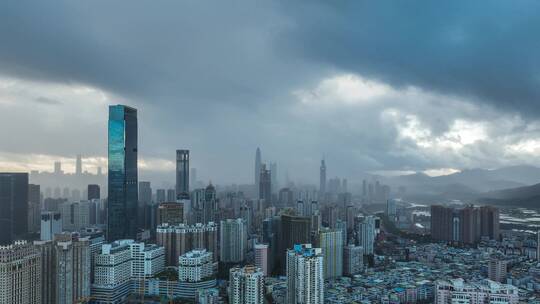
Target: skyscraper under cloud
(322, 179)
(257, 169)
(122, 183)
(182, 174)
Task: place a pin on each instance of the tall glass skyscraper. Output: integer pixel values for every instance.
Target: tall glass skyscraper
(182, 174)
(122, 184)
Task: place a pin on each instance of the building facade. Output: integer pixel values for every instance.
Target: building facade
(246, 285)
(305, 275)
(20, 274)
(233, 240)
(13, 207)
(182, 174)
(122, 175)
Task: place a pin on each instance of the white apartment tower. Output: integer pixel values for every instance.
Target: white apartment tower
(305, 275)
(246, 285)
(196, 265)
(233, 240)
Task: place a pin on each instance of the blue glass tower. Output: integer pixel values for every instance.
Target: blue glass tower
(122, 183)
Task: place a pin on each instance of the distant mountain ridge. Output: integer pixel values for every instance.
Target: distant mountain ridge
(471, 184)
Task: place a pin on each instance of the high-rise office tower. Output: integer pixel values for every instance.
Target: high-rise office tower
(78, 165)
(171, 195)
(182, 174)
(265, 186)
(58, 167)
(93, 192)
(51, 224)
(261, 258)
(391, 210)
(76, 216)
(353, 260)
(161, 196)
(305, 275)
(331, 243)
(13, 207)
(285, 197)
(122, 176)
(246, 285)
(233, 240)
(193, 177)
(293, 230)
(322, 179)
(34, 207)
(258, 162)
(145, 193)
(365, 229)
(273, 174)
(20, 270)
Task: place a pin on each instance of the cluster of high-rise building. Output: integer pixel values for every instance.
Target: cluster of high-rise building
(466, 225)
(175, 243)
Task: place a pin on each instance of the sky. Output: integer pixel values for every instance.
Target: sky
(373, 86)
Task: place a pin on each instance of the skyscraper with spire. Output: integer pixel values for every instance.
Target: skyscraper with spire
(182, 174)
(322, 179)
(257, 169)
(78, 167)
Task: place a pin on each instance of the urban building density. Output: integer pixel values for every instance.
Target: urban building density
(485, 292)
(122, 176)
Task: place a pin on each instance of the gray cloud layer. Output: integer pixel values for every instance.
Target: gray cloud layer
(222, 78)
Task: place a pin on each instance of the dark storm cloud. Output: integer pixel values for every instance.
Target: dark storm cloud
(484, 50)
(244, 52)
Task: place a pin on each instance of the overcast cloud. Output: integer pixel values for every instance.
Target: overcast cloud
(373, 85)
